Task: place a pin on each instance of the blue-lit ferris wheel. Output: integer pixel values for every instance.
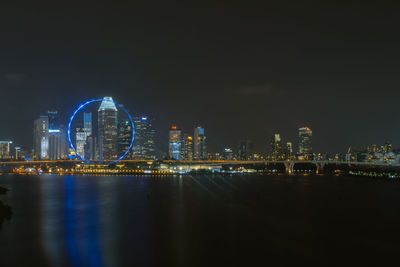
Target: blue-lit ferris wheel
(82, 107)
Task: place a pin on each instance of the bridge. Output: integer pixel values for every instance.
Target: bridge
(289, 165)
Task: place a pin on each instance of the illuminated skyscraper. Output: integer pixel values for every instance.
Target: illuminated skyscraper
(124, 137)
(82, 135)
(87, 123)
(41, 138)
(90, 148)
(175, 143)
(289, 150)
(54, 123)
(57, 137)
(276, 147)
(199, 144)
(143, 145)
(305, 147)
(187, 147)
(5, 149)
(107, 130)
(80, 141)
(57, 143)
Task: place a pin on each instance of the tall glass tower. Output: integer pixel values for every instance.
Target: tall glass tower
(200, 150)
(143, 145)
(187, 147)
(124, 136)
(41, 138)
(107, 130)
(53, 120)
(87, 123)
(57, 137)
(175, 143)
(305, 147)
(276, 147)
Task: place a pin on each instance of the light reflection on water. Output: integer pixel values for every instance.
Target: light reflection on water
(78, 220)
(198, 221)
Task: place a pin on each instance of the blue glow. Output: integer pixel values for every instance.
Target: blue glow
(201, 130)
(85, 105)
(144, 118)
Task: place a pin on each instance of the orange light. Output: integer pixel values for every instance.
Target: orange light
(173, 127)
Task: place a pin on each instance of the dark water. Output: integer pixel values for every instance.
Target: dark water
(200, 221)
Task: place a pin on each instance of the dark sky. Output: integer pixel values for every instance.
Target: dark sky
(241, 70)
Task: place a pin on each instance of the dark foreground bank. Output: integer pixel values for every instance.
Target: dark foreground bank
(5, 210)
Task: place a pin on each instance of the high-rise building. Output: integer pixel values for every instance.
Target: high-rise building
(143, 145)
(187, 147)
(18, 152)
(175, 143)
(41, 138)
(107, 130)
(289, 150)
(80, 141)
(54, 123)
(90, 148)
(57, 137)
(199, 144)
(87, 123)
(57, 144)
(276, 147)
(124, 137)
(5, 149)
(245, 150)
(305, 147)
(82, 134)
(228, 153)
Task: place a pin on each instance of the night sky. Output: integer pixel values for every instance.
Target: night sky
(241, 70)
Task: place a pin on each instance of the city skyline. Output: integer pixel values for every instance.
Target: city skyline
(276, 147)
(228, 133)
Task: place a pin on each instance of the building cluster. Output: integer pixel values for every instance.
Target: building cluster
(182, 146)
(109, 139)
(49, 137)
(374, 153)
(107, 135)
(186, 147)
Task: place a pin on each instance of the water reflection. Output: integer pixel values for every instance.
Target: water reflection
(81, 224)
(83, 220)
(198, 221)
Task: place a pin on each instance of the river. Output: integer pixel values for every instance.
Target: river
(239, 220)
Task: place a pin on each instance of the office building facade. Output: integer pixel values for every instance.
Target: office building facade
(144, 143)
(41, 138)
(199, 144)
(5, 149)
(187, 147)
(305, 143)
(107, 130)
(124, 138)
(175, 143)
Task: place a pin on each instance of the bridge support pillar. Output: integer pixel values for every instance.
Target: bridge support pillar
(289, 167)
(320, 167)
